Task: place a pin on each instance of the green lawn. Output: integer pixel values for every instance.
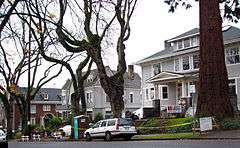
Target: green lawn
(167, 136)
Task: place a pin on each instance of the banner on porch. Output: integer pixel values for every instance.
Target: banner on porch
(174, 109)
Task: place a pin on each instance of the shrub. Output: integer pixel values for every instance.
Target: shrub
(154, 122)
(98, 117)
(230, 123)
(55, 123)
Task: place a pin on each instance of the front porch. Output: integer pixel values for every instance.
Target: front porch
(174, 91)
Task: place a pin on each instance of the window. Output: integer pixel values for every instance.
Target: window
(152, 93)
(185, 63)
(176, 64)
(111, 123)
(232, 56)
(45, 96)
(194, 41)
(195, 61)
(97, 124)
(46, 107)
(156, 69)
(164, 92)
(147, 94)
(104, 123)
(33, 121)
(131, 97)
(89, 97)
(180, 44)
(232, 86)
(186, 43)
(108, 115)
(33, 109)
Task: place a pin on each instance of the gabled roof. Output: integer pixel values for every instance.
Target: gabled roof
(54, 94)
(128, 83)
(191, 32)
(229, 34)
(171, 76)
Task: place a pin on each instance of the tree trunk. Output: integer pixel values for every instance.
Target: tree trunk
(82, 97)
(213, 98)
(115, 94)
(75, 104)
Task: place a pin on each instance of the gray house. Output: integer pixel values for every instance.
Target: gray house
(98, 101)
(170, 76)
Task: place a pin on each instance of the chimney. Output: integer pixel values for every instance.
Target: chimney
(130, 72)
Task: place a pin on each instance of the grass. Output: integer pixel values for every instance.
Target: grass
(167, 136)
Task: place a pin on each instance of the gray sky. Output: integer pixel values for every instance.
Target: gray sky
(150, 26)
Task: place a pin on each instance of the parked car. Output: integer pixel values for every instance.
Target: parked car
(112, 128)
(3, 136)
(67, 129)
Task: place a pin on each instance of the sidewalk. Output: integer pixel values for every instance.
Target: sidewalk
(228, 134)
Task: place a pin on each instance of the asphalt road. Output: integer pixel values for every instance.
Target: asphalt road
(132, 144)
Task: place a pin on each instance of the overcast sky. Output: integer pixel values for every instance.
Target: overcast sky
(150, 26)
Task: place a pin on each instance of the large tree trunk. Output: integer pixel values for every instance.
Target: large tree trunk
(75, 104)
(213, 98)
(82, 97)
(8, 108)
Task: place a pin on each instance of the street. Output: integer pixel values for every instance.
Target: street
(132, 144)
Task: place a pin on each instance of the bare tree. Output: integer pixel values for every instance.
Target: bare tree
(43, 22)
(99, 16)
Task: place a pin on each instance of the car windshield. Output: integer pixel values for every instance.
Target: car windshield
(125, 122)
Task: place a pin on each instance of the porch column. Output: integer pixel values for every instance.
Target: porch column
(156, 92)
(184, 91)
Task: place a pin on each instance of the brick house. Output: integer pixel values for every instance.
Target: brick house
(43, 106)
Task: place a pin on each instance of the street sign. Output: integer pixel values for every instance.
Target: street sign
(206, 124)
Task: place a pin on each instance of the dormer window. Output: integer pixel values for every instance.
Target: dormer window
(186, 43)
(45, 96)
(156, 68)
(90, 78)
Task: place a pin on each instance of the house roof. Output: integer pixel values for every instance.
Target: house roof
(171, 76)
(54, 94)
(128, 83)
(191, 32)
(229, 33)
(67, 84)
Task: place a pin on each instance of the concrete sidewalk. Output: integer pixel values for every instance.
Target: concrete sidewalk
(223, 134)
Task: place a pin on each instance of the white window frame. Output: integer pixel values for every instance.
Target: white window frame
(131, 94)
(153, 68)
(179, 64)
(161, 92)
(189, 59)
(32, 110)
(226, 55)
(45, 96)
(46, 108)
(147, 94)
(196, 54)
(33, 120)
(150, 97)
(89, 100)
(236, 86)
